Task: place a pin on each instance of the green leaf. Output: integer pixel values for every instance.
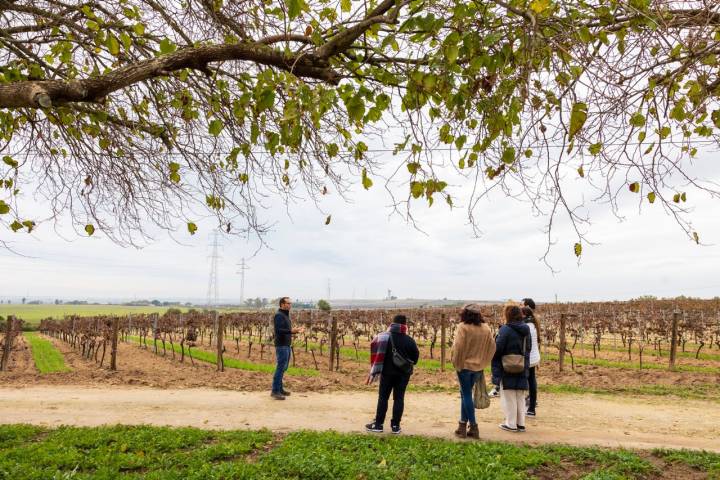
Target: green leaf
(345, 5)
(595, 148)
(508, 155)
(89, 229)
(581, 171)
(215, 127)
(634, 187)
(166, 46)
(16, 226)
(113, 45)
(192, 228)
(417, 189)
(578, 249)
(651, 197)
(676, 198)
(9, 161)
(294, 7)
(637, 120)
(716, 118)
(4, 208)
(139, 29)
(539, 6)
(578, 116)
(683, 197)
(356, 108)
(696, 237)
(366, 181)
(328, 219)
(413, 167)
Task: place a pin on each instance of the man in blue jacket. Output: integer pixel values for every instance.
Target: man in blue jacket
(283, 340)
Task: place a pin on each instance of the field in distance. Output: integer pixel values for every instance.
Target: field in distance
(32, 314)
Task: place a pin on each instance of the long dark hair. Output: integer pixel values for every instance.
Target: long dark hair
(531, 318)
(471, 315)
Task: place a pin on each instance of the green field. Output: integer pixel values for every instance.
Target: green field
(47, 358)
(32, 314)
(28, 452)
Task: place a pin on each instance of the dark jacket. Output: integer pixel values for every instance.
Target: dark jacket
(283, 329)
(406, 346)
(509, 341)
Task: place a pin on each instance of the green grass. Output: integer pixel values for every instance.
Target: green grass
(708, 462)
(143, 452)
(650, 353)
(210, 357)
(599, 362)
(47, 358)
(706, 391)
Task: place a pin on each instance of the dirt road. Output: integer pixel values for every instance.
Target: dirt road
(570, 419)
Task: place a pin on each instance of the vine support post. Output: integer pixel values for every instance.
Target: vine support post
(333, 341)
(7, 344)
(563, 344)
(219, 341)
(114, 340)
(443, 341)
(673, 344)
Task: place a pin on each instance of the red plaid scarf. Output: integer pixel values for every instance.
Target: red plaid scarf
(378, 348)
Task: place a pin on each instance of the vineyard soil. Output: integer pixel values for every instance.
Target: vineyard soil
(567, 419)
(141, 367)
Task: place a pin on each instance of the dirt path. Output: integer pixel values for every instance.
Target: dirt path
(569, 419)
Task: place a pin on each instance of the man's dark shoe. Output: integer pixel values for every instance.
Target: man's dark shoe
(286, 393)
(507, 429)
(277, 396)
(530, 413)
(520, 428)
(374, 427)
(395, 429)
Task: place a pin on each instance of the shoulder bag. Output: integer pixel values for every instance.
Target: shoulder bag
(514, 363)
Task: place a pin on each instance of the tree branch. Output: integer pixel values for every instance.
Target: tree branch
(45, 93)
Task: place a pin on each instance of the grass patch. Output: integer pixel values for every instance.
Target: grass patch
(47, 358)
(707, 391)
(599, 362)
(32, 314)
(145, 452)
(705, 461)
(130, 452)
(210, 357)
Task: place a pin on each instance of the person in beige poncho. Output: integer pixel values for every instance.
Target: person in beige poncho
(472, 351)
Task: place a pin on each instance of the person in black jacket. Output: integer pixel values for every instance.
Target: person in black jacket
(392, 378)
(283, 340)
(509, 341)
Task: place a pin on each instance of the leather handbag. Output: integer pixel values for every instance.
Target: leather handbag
(514, 363)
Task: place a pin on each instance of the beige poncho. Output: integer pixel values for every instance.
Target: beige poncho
(473, 348)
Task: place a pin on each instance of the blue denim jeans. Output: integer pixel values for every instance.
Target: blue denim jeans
(467, 407)
(282, 354)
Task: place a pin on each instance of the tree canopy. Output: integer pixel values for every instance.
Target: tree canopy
(134, 113)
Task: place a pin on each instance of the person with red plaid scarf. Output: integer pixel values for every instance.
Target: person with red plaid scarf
(393, 379)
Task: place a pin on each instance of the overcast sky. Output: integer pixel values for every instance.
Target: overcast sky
(365, 251)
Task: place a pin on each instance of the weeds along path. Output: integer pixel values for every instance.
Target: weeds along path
(570, 419)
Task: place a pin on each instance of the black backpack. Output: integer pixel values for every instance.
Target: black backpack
(403, 364)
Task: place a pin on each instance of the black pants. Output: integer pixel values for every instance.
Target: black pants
(397, 385)
(532, 381)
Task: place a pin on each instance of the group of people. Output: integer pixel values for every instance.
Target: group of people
(513, 355)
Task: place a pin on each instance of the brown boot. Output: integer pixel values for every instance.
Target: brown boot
(472, 431)
(461, 430)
